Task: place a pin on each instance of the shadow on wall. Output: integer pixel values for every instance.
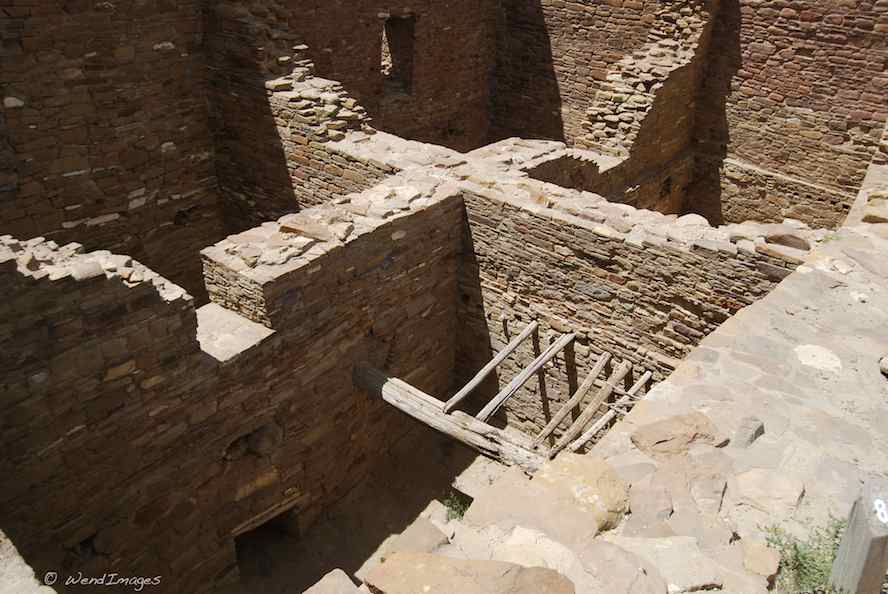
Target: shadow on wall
(244, 51)
(711, 129)
(420, 469)
(527, 100)
(473, 341)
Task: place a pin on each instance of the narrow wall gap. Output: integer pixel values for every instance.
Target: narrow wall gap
(398, 49)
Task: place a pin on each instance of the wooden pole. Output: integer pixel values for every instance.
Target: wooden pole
(488, 440)
(611, 414)
(591, 409)
(862, 560)
(488, 369)
(528, 372)
(575, 400)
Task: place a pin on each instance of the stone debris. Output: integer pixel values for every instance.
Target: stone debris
(883, 365)
(44, 260)
(749, 430)
(684, 567)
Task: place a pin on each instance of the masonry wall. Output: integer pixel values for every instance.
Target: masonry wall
(126, 446)
(273, 118)
(551, 59)
(103, 393)
(106, 137)
(452, 62)
(646, 302)
(632, 96)
(662, 189)
(795, 100)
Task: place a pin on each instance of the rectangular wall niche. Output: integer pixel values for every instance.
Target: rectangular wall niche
(398, 46)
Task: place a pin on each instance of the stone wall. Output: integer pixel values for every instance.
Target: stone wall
(795, 99)
(107, 130)
(637, 102)
(129, 446)
(104, 392)
(662, 189)
(273, 118)
(551, 59)
(453, 58)
(638, 284)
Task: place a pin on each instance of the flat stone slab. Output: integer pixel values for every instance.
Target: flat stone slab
(571, 499)
(224, 335)
(679, 560)
(414, 573)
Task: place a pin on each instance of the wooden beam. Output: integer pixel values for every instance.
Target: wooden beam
(611, 414)
(575, 400)
(521, 379)
(591, 410)
(488, 369)
(488, 440)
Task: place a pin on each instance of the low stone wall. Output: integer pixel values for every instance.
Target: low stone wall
(661, 189)
(127, 445)
(644, 286)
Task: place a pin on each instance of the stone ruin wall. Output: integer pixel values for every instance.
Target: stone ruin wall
(795, 100)
(128, 445)
(107, 130)
(276, 160)
(788, 113)
(634, 283)
(639, 108)
(453, 60)
(553, 56)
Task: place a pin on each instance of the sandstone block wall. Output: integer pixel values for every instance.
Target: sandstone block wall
(661, 189)
(551, 58)
(273, 117)
(452, 62)
(645, 297)
(128, 446)
(104, 388)
(795, 94)
(637, 102)
(106, 139)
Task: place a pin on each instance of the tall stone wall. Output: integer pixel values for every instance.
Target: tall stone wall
(637, 284)
(128, 445)
(104, 390)
(452, 59)
(106, 136)
(273, 118)
(633, 97)
(553, 56)
(795, 100)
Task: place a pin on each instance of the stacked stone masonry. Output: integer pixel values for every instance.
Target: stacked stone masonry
(645, 286)
(107, 125)
(167, 452)
(141, 430)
